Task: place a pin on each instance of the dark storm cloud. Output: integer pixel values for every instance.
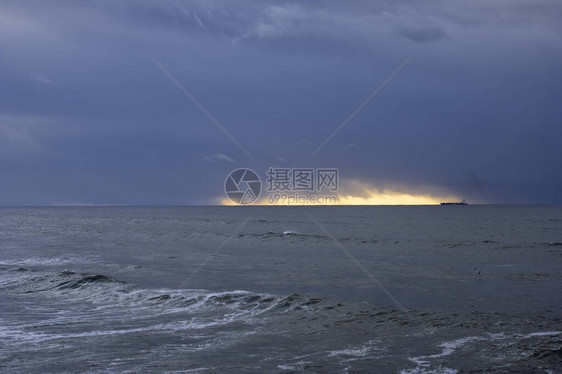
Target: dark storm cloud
(87, 117)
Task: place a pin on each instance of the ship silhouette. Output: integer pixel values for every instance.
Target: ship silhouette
(463, 202)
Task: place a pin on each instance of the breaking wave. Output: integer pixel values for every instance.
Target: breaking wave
(58, 309)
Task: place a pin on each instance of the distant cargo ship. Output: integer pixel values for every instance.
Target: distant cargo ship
(456, 203)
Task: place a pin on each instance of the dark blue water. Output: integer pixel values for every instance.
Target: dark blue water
(266, 289)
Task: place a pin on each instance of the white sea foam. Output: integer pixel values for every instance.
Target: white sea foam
(296, 366)
(51, 261)
(543, 333)
(422, 370)
(365, 350)
(449, 347)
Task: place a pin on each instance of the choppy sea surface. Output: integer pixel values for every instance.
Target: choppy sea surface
(267, 290)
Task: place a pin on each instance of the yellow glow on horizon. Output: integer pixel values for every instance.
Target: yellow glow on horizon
(363, 194)
(388, 198)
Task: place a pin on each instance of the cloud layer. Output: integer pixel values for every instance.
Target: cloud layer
(86, 116)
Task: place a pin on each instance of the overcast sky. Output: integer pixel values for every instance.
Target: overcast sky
(88, 117)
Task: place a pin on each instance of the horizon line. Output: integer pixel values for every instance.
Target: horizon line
(257, 205)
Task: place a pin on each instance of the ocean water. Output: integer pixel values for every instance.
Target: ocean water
(453, 289)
